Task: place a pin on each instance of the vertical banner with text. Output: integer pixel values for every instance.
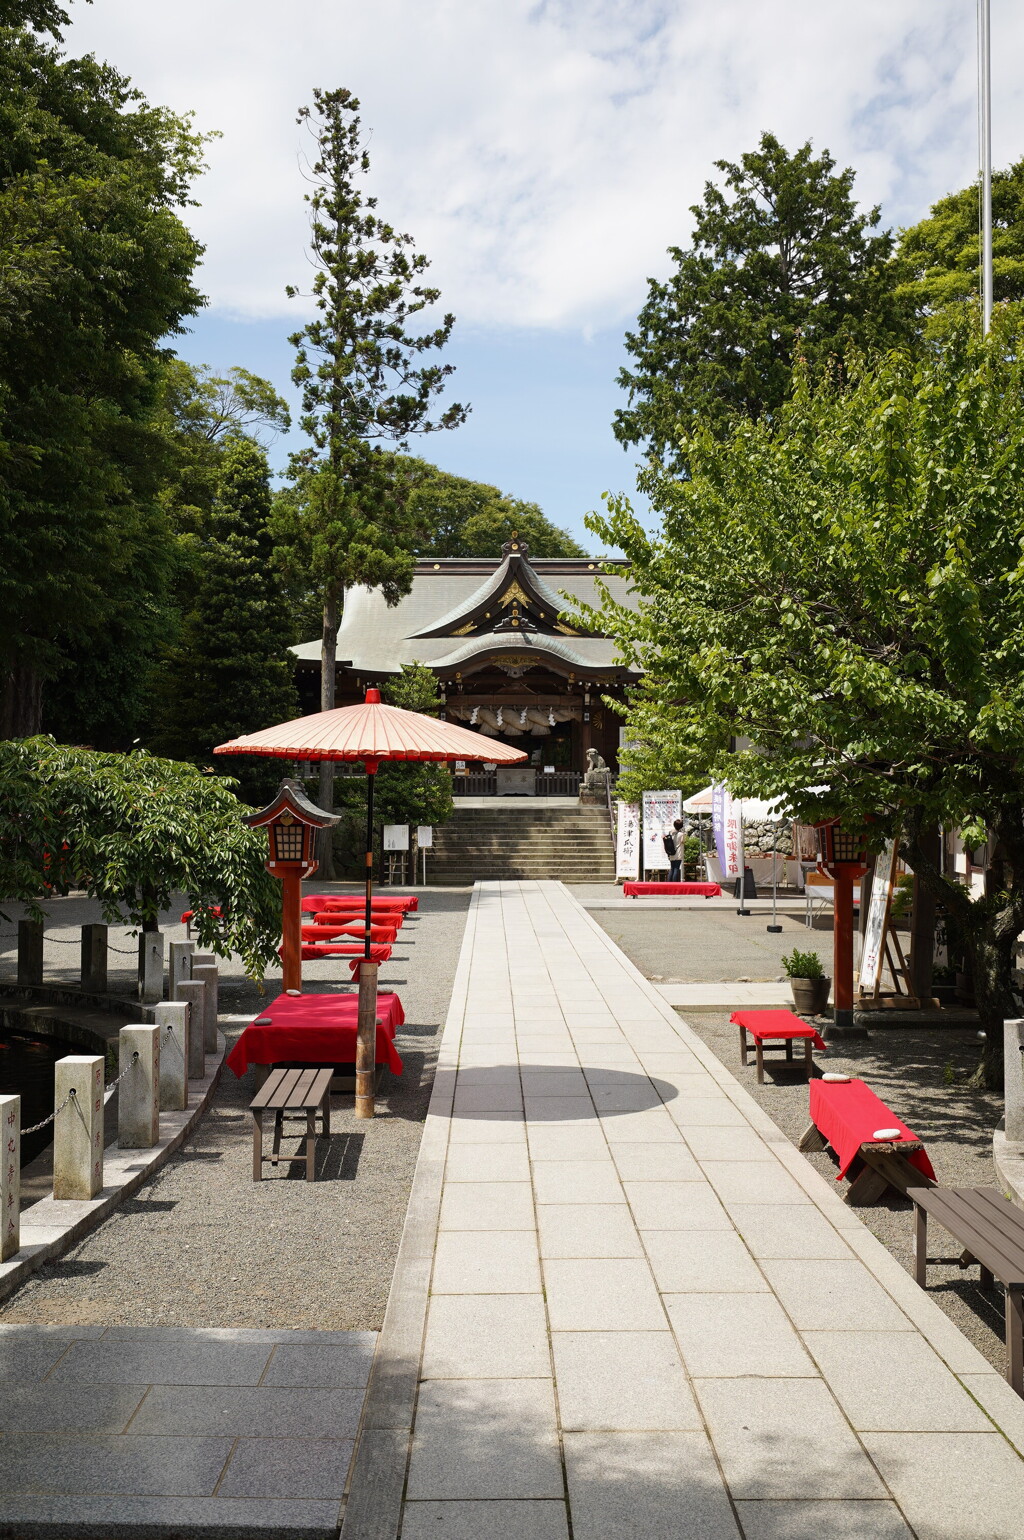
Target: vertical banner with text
(726, 821)
(627, 842)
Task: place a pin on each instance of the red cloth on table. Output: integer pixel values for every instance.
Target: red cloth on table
(671, 890)
(189, 913)
(393, 917)
(778, 1024)
(316, 1029)
(404, 901)
(318, 932)
(848, 1112)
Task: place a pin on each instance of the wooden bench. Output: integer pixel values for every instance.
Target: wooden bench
(848, 1115)
(992, 1230)
(781, 1026)
(301, 1092)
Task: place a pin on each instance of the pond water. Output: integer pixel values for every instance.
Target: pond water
(26, 1070)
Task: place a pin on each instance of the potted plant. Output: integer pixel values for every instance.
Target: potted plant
(808, 981)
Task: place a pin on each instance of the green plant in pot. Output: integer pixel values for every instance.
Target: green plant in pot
(808, 981)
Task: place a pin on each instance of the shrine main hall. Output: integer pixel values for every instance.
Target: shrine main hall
(510, 661)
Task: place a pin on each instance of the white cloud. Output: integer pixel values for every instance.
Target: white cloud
(544, 154)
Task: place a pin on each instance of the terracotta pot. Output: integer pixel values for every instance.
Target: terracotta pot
(810, 996)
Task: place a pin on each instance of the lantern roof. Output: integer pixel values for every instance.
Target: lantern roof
(290, 797)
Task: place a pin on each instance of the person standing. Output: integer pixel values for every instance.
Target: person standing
(675, 870)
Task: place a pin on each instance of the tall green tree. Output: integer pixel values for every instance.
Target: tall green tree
(96, 268)
(460, 517)
(782, 261)
(363, 365)
(939, 258)
(230, 672)
(843, 585)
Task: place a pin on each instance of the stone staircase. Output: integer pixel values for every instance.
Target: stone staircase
(523, 837)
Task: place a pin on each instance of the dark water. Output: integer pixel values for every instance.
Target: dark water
(26, 1070)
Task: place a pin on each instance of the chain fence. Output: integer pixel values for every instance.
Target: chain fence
(110, 1085)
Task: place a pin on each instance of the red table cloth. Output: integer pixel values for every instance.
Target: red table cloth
(767, 1024)
(311, 950)
(323, 932)
(392, 917)
(314, 901)
(847, 1113)
(316, 1029)
(671, 890)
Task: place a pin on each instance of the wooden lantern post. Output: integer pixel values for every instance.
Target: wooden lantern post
(842, 856)
(292, 823)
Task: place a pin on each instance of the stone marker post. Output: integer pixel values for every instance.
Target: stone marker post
(94, 959)
(30, 952)
(171, 1017)
(10, 1177)
(151, 966)
(1013, 1067)
(179, 966)
(138, 1106)
(206, 974)
(193, 994)
(366, 1041)
(78, 1130)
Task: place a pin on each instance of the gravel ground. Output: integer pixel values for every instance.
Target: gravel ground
(698, 946)
(203, 1245)
(920, 1073)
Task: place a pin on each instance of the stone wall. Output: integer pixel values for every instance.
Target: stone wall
(763, 838)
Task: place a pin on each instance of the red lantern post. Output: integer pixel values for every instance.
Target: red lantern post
(842, 856)
(292, 823)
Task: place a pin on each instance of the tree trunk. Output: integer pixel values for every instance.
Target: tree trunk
(328, 675)
(21, 708)
(922, 922)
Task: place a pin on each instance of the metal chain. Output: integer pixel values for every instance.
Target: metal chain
(55, 1113)
(112, 1083)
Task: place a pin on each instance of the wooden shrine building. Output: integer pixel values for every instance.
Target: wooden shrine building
(511, 665)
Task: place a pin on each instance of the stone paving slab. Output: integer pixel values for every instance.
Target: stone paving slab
(161, 1431)
(719, 1348)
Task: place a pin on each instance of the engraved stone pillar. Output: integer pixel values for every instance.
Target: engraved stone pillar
(151, 967)
(193, 993)
(30, 952)
(206, 974)
(10, 1177)
(1013, 1066)
(171, 1017)
(94, 959)
(179, 966)
(78, 1130)
(138, 1105)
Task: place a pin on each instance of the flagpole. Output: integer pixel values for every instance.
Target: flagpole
(985, 135)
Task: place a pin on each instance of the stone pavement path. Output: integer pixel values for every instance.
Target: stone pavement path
(146, 1431)
(627, 1309)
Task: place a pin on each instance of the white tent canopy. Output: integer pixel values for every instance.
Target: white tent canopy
(754, 810)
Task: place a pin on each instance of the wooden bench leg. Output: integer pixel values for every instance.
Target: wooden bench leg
(257, 1145)
(808, 1061)
(921, 1245)
(789, 1050)
(866, 1188)
(812, 1139)
(326, 1110)
(759, 1054)
(275, 1149)
(1015, 1340)
(311, 1145)
(743, 1047)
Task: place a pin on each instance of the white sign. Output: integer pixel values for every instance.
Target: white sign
(627, 841)
(425, 836)
(549, 769)
(396, 836)
(873, 950)
(661, 809)
(727, 822)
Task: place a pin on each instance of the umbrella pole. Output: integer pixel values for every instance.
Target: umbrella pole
(366, 1032)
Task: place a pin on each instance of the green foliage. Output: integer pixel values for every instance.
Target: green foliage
(938, 259)
(785, 265)
(843, 585)
(133, 831)
(96, 268)
(230, 672)
(459, 517)
(802, 965)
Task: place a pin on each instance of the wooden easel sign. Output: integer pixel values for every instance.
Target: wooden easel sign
(882, 944)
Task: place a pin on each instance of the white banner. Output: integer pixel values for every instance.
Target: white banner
(727, 822)
(661, 809)
(627, 841)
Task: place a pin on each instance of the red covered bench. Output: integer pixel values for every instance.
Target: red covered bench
(315, 1029)
(783, 1026)
(671, 890)
(847, 1115)
(406, 902)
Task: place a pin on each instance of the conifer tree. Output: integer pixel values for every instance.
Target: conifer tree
(230, 672)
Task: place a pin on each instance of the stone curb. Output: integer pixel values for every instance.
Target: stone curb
(1008, 1159)
(59, 1225)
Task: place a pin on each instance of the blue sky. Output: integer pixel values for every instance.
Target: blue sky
(543, 153)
